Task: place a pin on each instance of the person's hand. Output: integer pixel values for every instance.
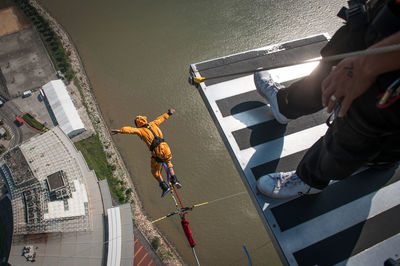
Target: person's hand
(171, 111)
(347, 81)
(114, 131)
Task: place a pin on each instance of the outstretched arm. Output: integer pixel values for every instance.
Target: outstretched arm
(163, 117)
(354, 75)
(126, 130)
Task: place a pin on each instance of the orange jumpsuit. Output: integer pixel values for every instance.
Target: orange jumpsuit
(162, 151)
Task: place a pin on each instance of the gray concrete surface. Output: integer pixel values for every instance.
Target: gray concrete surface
(39, 108)
(68, 248)
(35, 106)
(19, 133)
(24, 63)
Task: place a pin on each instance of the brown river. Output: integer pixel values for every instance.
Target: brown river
(137, 56)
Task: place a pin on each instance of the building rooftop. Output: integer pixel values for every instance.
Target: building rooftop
(72, 207)
(65, 229)
(69, 231)
(18, 165)
(63, 108)
(47, 180)
(55, 181)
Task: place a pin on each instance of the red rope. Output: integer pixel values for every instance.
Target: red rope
(167, 172)
(188, 232)
(184, 222)
(180, 202)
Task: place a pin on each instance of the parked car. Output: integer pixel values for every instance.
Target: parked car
(27, 93)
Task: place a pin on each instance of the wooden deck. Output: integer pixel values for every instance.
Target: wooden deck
(353, 222)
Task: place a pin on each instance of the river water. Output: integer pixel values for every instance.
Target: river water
(137, 55)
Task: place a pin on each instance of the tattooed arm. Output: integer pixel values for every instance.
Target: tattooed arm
(354, 75)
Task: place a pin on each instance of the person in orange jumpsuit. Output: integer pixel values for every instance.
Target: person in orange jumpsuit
(151, 134)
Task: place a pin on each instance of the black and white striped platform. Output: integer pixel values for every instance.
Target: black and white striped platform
(353, 222)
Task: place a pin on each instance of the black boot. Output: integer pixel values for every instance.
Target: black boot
(175, 182)
(165, 188)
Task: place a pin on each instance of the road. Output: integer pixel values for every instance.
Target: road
(18, 133)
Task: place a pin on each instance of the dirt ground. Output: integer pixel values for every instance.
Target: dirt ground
(11, 20)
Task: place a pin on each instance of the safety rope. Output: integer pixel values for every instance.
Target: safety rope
(176, 193)
(194, 79)
(170, 184)
(182, 212)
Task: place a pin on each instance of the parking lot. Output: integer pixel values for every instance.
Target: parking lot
(24, 63)
(35, 105)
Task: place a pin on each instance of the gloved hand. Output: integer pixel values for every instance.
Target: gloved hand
(171, 111)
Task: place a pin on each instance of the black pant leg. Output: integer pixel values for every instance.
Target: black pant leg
(365, 134)
(304, 96)
(390, 151)
(337, 155)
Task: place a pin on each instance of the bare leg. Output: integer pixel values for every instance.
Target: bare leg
(171, 171)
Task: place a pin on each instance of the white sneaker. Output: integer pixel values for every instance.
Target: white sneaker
(284, 185)
(268, 89)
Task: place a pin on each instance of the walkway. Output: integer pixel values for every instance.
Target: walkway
(144, 253)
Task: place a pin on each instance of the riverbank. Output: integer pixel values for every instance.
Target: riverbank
(168, 254)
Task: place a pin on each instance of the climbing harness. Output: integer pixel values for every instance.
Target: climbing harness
(156, 140)
(154, 144)
(157, 159)
(334, 114)
(391, 95)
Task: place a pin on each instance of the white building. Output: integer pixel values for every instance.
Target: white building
(64, 110)
(47, 179)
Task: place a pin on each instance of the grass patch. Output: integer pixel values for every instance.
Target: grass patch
(96, 159)
(164, 255)
(33, 122)
(156, 242)
(95, 156)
